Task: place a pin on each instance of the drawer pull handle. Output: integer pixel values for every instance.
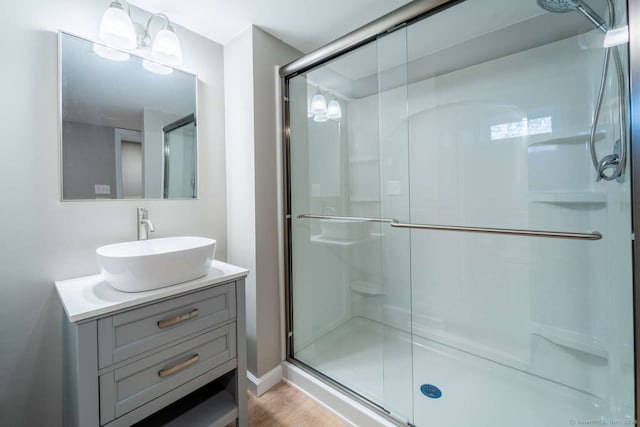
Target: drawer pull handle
(179, 367)
(175, 320)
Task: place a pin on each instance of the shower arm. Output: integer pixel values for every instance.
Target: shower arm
(504, 231)
(592, 16)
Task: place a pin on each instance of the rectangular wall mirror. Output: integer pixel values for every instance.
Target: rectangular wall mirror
(128, 125)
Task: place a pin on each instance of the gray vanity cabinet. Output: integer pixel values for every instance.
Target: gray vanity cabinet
(175, 361)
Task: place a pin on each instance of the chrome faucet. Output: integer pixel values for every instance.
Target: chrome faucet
(145, 226)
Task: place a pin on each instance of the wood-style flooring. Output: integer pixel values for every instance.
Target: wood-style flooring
(284, 406)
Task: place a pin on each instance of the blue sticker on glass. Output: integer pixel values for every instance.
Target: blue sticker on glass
(431, 391)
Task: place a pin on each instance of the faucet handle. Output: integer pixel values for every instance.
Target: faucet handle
(143, 213)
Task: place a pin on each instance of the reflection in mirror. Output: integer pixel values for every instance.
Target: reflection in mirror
(128, 125)
(180, 158)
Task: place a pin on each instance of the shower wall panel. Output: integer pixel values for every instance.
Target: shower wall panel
(531, 304)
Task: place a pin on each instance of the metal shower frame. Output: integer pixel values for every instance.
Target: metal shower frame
(412, 12)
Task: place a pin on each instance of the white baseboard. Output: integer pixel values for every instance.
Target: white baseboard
(259, 386)
(351, 411)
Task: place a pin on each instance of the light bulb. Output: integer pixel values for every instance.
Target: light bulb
(320, 118)
(156, 68)
(166, 47)
(318, 104)
(116, 28)
(109, 53)
(333, 110)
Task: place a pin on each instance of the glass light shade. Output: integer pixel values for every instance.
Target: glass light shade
(320, 118)
(110, 54)
(156, 68)
(333, 110)
(116, 28)
(318, 105)
(166, 47)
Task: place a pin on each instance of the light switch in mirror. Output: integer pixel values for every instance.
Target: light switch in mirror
(128, 125)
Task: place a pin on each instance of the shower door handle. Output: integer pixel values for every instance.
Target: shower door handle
(347, 218)
(504, 231)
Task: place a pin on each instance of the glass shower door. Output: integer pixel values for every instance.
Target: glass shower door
(455, 258)
(393, 133)
(350, 290)
(533, 330)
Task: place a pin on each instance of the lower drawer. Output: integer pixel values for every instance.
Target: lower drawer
(133, 385)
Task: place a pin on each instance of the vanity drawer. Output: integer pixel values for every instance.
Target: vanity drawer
(133, 385)
(137, 331)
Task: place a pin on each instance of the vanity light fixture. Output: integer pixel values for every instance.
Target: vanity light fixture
(320, 111)
(116, 27)
(333, 109)
(318, 104)
(119, 31)
(165, 47)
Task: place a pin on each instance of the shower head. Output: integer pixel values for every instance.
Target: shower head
(562, 6)
(557, 6)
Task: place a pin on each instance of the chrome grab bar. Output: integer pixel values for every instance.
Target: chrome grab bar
(507, 231)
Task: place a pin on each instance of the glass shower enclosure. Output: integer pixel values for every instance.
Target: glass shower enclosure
(459, 216)
(180, 159)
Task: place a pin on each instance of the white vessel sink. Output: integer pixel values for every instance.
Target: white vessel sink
(155, 263)
(345, 229)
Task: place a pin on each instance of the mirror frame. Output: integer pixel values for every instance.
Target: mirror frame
(136, 54)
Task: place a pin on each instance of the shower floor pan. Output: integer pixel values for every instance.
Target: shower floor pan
(475, 391)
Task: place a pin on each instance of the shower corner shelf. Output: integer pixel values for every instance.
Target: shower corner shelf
(367, 288)
(319, 238)
(574, 139)
(568, 198)
(571, 339)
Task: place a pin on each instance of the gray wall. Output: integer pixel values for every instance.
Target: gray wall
(44, 239)
(241, 227)
(89, 158)
(268, 52)
(252, 186)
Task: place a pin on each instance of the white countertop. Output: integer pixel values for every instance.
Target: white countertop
(89, 296)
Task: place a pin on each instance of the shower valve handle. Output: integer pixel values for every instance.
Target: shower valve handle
(608, 162)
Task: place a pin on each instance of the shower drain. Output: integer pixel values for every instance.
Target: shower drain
(430, 391)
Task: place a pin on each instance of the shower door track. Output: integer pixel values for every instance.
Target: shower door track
(508, 231)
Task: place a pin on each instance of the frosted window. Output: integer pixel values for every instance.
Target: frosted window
(523, 127)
